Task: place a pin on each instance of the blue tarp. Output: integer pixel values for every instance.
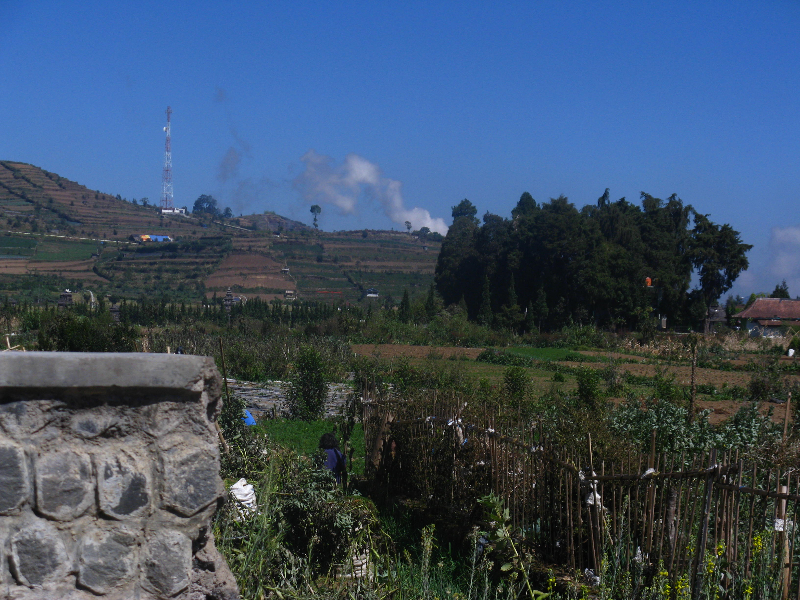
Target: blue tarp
(248, 418)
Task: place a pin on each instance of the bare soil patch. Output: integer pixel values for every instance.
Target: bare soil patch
(250, 271)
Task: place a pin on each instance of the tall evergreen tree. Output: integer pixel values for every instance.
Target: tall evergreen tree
(404, 314)
(485, 315)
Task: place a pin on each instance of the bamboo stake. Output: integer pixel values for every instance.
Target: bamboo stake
(794, 538)
(783, 539)
(703, 535)
(735, 544)
(225, 446)
(677, 529)
(786, 415)
(748, 555)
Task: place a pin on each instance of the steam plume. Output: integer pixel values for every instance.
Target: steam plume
(322, 181)
(785, 260)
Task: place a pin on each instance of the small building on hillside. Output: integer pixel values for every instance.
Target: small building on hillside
(768, 316)
(151, 238)
(174, 211)
(371, 293)
(65, 299)
(289, 295)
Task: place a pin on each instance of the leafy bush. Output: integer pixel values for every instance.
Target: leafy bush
(581, 336)
(589, 392)
(69, 332)
(748, 430)
(766, 384)
(501, 357)
(517, 384)
(307, 388)
(665, 388)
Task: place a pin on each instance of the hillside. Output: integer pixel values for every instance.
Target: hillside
(60, 234)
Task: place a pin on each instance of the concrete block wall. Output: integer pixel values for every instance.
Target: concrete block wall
(109, 477)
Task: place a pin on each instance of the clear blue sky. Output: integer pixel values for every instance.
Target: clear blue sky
(374, 109)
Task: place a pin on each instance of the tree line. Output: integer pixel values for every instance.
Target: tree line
(614, 264)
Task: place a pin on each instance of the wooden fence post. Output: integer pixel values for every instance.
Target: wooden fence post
(783, 539)
(702, 535)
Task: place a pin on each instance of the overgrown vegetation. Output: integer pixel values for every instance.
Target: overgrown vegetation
(308, 532)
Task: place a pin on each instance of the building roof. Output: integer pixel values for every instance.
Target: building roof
(772, 309)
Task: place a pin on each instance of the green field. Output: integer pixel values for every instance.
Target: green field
(547, 353)
(303, 437)
(13, 247)
(52, 250)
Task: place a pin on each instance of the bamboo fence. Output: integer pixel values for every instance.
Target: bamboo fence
(664, 511)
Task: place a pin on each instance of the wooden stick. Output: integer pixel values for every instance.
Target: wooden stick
(225, 446)
(703, 534)
(786, 415)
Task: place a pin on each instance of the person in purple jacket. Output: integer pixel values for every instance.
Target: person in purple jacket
(334, 458)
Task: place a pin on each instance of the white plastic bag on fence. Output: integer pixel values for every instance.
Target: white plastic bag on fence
(245, 497)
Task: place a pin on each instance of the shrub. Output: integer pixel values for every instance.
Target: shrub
(517, 385)
(68, 332)
(307, 389)
(589, 392)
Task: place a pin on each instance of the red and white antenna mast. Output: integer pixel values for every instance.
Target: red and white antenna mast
(166, 178)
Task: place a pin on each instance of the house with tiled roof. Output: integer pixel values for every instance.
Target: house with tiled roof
(767, 316)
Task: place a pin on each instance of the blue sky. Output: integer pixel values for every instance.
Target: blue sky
(382, 112)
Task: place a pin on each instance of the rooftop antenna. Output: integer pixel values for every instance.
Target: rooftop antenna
(166, 177)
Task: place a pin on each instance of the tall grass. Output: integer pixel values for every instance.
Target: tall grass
(309, 539)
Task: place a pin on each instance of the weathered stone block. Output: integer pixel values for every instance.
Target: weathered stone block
(123, 486)
(64, 484)
(38, 555)
(191, 479)
(108, 559)
(90, 424)
(109, 477)
(13, 478)
(167, 562)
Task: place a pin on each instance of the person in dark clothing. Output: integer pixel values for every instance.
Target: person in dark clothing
(335, 459)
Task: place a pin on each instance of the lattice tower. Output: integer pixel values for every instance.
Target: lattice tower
(166, 177)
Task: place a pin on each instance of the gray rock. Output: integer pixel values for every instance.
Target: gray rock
(167, 562)
(64, 485)
(123, 486)
(191, 480)
(211, 577)
(108, 559)
(90, 424)
(13, 478)
(38, 555)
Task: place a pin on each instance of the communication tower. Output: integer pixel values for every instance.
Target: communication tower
(166, 178)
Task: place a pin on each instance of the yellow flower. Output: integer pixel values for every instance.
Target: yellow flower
(720, 548)
(551, 582)
(710, 566)
(682, 588)
(758, 544)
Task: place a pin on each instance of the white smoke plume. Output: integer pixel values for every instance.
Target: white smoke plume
(322, 181)
(785, 260)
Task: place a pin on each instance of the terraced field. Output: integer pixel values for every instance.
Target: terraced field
(51, 226)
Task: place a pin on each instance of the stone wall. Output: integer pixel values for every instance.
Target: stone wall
(109, 477)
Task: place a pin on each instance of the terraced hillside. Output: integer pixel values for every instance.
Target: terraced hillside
(57, 231)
